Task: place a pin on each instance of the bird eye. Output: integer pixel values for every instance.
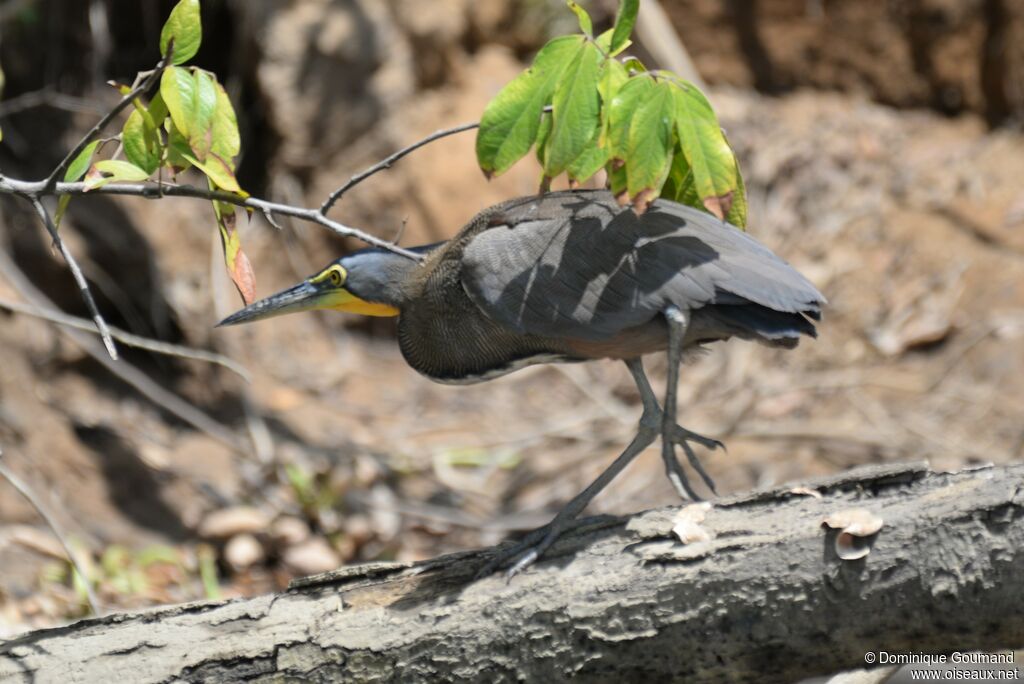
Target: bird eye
(335, 277)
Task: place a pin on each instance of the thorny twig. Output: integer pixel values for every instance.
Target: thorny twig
(127, 338)
(30, 496)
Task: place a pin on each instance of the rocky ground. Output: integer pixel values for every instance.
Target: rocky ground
(911, 223)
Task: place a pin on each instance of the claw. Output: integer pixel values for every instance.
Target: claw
(681, 433)
(681, 436)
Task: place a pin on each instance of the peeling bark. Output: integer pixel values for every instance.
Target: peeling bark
(766, 600)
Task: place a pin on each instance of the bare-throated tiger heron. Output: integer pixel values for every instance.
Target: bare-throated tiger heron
(571, 276)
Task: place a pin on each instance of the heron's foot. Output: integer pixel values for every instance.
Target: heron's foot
(527, 550)
(674, 435)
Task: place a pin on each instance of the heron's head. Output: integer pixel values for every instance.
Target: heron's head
(370, 282)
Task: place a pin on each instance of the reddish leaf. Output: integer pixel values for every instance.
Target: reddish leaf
(238, 265)
(719, 205)
(643, 200)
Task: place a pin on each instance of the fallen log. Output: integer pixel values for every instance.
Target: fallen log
(759, 594)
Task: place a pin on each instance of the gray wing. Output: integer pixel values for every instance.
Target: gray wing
(574, 264)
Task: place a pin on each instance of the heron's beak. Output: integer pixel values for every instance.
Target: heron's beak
(307, 296)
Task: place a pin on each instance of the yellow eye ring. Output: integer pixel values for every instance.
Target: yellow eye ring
(335, 278)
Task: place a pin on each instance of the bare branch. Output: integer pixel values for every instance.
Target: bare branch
(387, 162)
(76, 272)
(49, 98)
(30, 496)
(127, 338)
(152, 190)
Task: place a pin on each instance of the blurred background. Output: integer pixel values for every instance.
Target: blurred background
(882, 150)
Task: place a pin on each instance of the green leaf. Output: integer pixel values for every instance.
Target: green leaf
(185, 27)
(679, 185)
(634, 65)
(586, 25)
(122, 170)
(62, 207)
(225, 140)
(142, 144)
(707, 151)
(737, 215)
(157, 109)
(649, 145)
(177, 88)
(80, 164)
(219, 171)
(613, 77)
(621, 109)
(625, 19)
(509, 125)
(177, 147)
(575, 110)
(617, 180)
(543, 135)
(116, 170)
(204, 104)
(604, 41)
(191, 100)
(589, 162)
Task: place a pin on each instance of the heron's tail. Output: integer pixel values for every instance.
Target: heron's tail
(762, 324)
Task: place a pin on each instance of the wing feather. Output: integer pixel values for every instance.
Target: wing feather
(573, 264)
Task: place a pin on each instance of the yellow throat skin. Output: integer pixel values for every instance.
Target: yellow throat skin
(343, 300)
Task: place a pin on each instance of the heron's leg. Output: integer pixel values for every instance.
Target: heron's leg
(671, 433)
(531, 547)
(673, 470)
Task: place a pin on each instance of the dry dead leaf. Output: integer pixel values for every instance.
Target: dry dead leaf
(229, 522)
(312, 556)
(243, 551)
(34, 539)
(687, 523)
(806, 491)
(853, 523)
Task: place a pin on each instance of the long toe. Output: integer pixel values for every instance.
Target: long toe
(521, 554)
(676, 474)
(696, 465)
(681, 436)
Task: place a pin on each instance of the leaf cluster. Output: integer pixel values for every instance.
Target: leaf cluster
(583, 109)
(188, 124)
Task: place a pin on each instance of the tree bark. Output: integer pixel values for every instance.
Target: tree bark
(765, 600)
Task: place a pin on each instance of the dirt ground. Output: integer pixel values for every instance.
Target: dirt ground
(910, 221)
